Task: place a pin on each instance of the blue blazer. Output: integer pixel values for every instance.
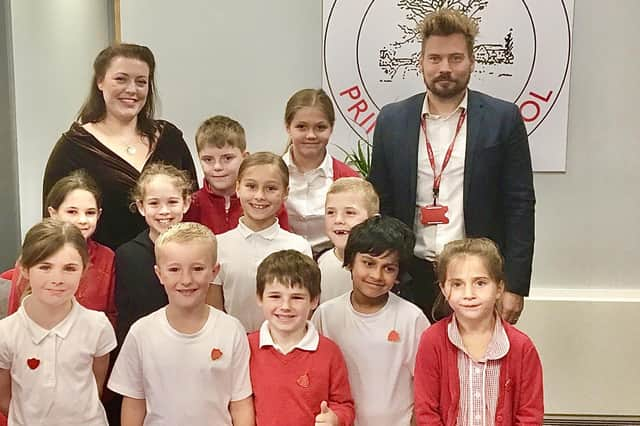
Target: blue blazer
(499, 200)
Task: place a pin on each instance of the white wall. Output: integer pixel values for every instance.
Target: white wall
(54, 44)
(242, 59)
(245, 58)
(588, 235)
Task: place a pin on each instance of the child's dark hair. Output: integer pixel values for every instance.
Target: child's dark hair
(378, 235)
(78, 179)
(291, 268)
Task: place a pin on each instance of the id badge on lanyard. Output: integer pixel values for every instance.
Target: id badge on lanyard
(436, 213)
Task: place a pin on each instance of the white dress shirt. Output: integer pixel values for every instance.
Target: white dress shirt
(440, 128)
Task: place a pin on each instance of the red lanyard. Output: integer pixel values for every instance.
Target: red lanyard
(437, 177)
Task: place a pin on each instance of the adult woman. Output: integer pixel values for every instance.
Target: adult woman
(116, 136)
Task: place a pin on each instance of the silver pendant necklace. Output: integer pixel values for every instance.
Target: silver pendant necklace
(131, 150)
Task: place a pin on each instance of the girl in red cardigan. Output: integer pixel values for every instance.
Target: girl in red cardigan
(309, 118)
(76, 199)
(472, 368)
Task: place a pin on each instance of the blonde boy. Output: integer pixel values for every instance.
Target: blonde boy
(350, 201)
(186, 363)
(221, 146)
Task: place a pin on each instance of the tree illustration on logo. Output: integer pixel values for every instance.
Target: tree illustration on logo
(401, 57)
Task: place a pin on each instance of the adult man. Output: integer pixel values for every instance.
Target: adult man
(455, 162)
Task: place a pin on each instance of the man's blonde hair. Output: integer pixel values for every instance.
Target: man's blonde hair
(445, 22)
(187, 232)
(359, 188)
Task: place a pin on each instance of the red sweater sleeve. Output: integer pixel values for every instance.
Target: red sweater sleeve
(530, 410)
(340, 400)
(193, 214)
(18, 284)
(112, 311)
(283, 218)
(427, 380)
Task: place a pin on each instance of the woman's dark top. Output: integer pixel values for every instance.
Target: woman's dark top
(79, 149)
(138, 289)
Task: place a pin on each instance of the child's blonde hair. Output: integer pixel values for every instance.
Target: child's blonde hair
(45, 239)
(359, 188)
(483, 248)
(219, 131)
(265, 158)
(180, 179)
(187, 232)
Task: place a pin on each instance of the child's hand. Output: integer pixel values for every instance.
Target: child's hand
(326, 416)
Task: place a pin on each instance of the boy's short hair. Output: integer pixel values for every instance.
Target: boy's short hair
(219, 131)
(362, 188)
(291, 268)
(187, 232)
(378, 235)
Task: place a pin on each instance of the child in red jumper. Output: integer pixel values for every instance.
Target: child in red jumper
(221, 146)
(472, 367)
(298, 376)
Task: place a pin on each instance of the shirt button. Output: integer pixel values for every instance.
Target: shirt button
(477, 370)
(477, 394)
(499, 418)
(477, 416)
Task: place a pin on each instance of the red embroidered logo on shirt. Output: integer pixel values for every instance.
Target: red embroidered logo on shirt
(393, 336)
(33, 363)
(303, 381)
(215, 354)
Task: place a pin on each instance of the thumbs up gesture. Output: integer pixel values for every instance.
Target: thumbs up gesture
(327, 416)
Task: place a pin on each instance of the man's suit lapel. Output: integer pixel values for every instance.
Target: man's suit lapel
(475, 127)
(413, 137)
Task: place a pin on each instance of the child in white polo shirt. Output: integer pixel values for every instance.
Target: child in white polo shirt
(54, 353)
(377, 331)
(262, 187)
(186, 363)
(350, 201)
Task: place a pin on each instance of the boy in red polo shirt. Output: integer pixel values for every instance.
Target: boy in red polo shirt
(221, 146)
(298, 376)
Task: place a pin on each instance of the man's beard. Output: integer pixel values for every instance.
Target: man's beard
(454, 89)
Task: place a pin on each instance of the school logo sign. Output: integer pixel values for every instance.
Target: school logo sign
(371, 51)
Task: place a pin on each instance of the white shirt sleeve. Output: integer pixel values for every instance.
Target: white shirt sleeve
(316, 320)
(5, 352)
(241, 386)
(126, 377)
(307, 249)
(107, 337)
(421, 324)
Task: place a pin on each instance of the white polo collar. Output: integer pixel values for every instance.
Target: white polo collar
(62, 329)
(268, 233)
(308, 343)
(326, 167)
